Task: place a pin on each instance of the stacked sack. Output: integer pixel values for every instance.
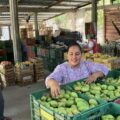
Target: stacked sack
(24, 73)
(7, 73)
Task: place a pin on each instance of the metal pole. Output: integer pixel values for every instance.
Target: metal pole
(9, 32)
(36, 26)
(15, 30)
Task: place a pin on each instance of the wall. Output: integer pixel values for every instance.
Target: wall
(112, 16)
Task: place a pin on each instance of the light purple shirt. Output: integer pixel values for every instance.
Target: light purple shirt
(63, 73)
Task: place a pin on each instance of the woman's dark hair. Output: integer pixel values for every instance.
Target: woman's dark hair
(74, 44)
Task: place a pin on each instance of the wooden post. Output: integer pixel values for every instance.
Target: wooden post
(15, 30)
(36, 26)
(94, 16)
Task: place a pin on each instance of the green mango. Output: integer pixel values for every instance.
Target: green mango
(62, 91)
(76, 87)
(105, 91)
(61, 110)
(68, 92)
(79, 99)
(61, 104)
(117, 93)
(94, 91)
(69, 112)
(69, 103)
(54, 103)
(82, 104)
(73, 106)
(49, 99)
(75, 111)
(104, 87)
(43, 98)
(74, 94)
(92, 106)
(118, 117)
(97, 96)
(107, 117)
(97, 88)
(110, 87)
(63, 100)
(93, 102)
(67, 96)
(85, 88)
(46, 104)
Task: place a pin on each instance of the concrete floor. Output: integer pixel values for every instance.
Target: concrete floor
(17, 104)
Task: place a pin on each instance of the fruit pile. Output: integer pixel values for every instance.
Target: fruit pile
(110, 117)
(23, 65)
(113, 81)
(67, 103)
(97, 90)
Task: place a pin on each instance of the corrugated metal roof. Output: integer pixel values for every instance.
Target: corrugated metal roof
(45, 8)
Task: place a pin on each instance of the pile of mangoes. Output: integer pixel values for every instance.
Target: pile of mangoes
(113, 81)
(67, 103)
(110, 117)
(97, 90)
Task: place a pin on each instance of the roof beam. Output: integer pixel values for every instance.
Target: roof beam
(83, 1)
(66, 12)
(57, 2)
(32, 9)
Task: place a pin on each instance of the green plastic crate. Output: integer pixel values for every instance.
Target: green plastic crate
(114, 73)
(96, 113)
(40, 112)
(118, 69)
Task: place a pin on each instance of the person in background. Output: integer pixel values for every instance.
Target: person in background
(2, 117)
(24, 50)
(74, 69)
(91, 45)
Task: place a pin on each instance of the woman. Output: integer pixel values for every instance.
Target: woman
(74, 69)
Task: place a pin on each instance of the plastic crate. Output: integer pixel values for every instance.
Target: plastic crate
(114, 73)
(96, 113)
(118, 69)
(40, 112)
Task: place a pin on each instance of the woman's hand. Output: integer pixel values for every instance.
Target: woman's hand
(91, 78)
(54, 87)
(94, 76)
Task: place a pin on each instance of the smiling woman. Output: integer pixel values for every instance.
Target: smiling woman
(74, 69)
(74, 54)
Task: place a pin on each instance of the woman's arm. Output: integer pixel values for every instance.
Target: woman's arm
(53, 81)
(54, 87)
(93, 77)
(96, 70)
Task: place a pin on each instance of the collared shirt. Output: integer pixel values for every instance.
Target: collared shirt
(64, 73)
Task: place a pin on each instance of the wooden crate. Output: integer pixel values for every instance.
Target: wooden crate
(39, 77)
(8, 79)
(6, 68)
(25, 79)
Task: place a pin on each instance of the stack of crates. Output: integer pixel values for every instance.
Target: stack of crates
(38, 69)
(54, 57)
(7, 74)
(24, 73)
